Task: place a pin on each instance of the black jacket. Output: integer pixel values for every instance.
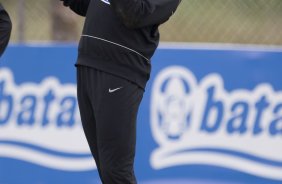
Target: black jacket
(121, 36)
(5, 29)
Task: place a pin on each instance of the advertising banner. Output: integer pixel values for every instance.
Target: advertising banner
(208, 116)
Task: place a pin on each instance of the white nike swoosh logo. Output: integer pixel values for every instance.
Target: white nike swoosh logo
(113, 90)
(106, 1)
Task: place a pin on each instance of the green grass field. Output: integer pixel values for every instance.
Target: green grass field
(224, 21)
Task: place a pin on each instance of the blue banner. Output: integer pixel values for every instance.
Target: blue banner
(207, 116)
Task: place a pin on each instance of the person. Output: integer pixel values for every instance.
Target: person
(113, 66)
(5, 29)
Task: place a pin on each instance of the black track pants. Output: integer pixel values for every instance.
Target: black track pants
(108, 107)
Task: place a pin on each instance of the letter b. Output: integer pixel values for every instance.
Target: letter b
(213, 113)
(6, 105)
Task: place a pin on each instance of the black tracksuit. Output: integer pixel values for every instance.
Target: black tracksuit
(5, 29)
(118, 40)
